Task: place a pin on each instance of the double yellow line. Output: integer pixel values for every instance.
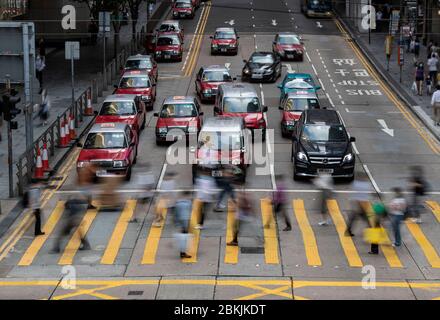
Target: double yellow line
(432, 143)
(24, 225)
(198, 37)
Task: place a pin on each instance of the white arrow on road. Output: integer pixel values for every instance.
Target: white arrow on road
(319, 24)
(289, 68)
(385, 127)
(274, 22)
(230, 22)
(227, 65)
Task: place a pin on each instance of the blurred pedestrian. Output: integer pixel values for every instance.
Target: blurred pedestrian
(109, 199)
(359, 201)
(45, 106)
(324, 182)
(42, 47)
(183, 215)
(32, 200)
(416, 48)
(205, 186)
(433, 67)
(86, 180)
(435, 103)
(145, 182)
(418, 187)
(40, 65)
(279, 203)
(225, 183)
(428, 84)
(167, 199)
(74, 206)
(397, 207)
(419, 77)
(244, 214)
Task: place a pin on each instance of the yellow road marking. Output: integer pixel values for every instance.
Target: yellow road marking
(118, 233)
(195, 218)
(347, 242)
(200, 34)
(270, 234)
(428, 139)
(388, 251)
(91, 292)
(308, 235)
(435, 209)
(280, 292)
(426, 246)
(231, 252)
(27, 220)
(153, 239)
(39, 241)
(74, 242)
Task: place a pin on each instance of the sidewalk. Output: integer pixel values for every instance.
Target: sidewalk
(375, 51)
(57, 80)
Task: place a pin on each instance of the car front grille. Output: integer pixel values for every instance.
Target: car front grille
(325, 160)
(103, 163)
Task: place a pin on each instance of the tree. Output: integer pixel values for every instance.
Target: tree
(134, 6)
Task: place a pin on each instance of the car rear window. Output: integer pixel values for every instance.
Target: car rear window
(288, 39)
(299, 84)
(216, 76)
(178, 110)
(183, 5)
(167, 41)
(138, 64)
(105, 140)
(300, 104)
(241, 105)
(168, 28)
(224, 35)
(262, 58)
(120, 108)
(135, 82)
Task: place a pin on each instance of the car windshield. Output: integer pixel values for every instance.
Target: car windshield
(138, 64)
(327, 133)
(216, 76)
(224, 35)
(135, 82)
(120, 108)
(183, 5)
(300, 104)
(262, 59)
(178, 110)
(290, 39)
(244, 105)
(319, 3)
(168, 28)
(167, 41)
(219, 141)
(299, 84)
(105, 140)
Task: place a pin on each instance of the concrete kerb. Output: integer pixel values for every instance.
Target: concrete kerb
(421, 115)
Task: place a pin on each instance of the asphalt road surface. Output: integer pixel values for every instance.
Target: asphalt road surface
(137, 261)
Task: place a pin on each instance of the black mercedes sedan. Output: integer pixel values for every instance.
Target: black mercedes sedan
(262, 66)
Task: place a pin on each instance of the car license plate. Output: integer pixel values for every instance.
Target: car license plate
(223, 49)
(217, 173)
(257, 75)
(167, 56)
(290, 56)
(327, 171)
(101, 173)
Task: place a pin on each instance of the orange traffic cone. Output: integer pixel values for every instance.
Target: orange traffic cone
(67, 129)
(72, 128)
(39, 172)
(63, 142)
(45, 159)
(89, 108)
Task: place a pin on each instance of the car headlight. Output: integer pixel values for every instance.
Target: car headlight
(301, 156)
(232, 45)
(207, 91)
(236, 162)
(163, 130)
(82, 164)
(246, 70)
(214, 45)
(146, 97)
(158, 53)
(175, 13)
(120, 163)
(192, 129)
(268, 71)
(290, 123)
(176, 51)
(348, 158)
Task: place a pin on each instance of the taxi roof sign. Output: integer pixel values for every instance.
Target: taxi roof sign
(179, 97)
(107, 125)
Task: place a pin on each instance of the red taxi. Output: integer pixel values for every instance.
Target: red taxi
(171, 26)
(178, 115)
(138, 82)
(288, 46)
(183, 9)
(225, 40)
(142, 62)
(168, 46)
(241, 100)
(125, 108)
(111, 148)
(208, 79)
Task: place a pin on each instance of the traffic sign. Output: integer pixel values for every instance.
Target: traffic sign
(72, 50)
(104, 22)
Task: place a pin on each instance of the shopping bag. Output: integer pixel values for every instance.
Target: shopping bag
(414, 88)
(375, 235)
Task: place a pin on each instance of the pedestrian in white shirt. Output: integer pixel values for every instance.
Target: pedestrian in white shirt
(397, 207)
(435, 103)
(433, 67)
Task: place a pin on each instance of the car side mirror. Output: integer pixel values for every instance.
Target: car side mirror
(79, 145)
(133, 144)
(192, 149)
(294, 138)
(244, 60)
(244, 149)
(115, 86)
(279, 86)
(216, 109)
(211, 37)
(238, 38)
(154, 84)
(234, 79)
(201, 113)
(317, 87)
(156, 114)
(265, 109)
(352, 139)
(95, 113)
(280, 107)
(274, 42)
